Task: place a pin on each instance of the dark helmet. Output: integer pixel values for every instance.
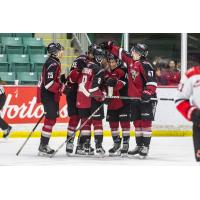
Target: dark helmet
(113, 57)
(91, 48)
(54, 48)
(142, 49)
(99, 54)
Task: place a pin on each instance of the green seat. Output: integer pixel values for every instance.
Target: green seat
(37, 61)
(6, 35)
(34, 45)
(19, 63)
(12, 45)
(27, 78)
(4, 66)
(23, 34)
(8, 77)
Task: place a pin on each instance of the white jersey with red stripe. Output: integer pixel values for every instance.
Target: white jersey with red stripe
(188, 95)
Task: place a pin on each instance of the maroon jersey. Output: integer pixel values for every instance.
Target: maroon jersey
(141, 75)
(74, 71)
(49, 86)
(89, 82)
(119, 75)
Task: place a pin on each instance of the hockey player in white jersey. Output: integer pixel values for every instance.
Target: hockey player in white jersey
(188, 103)
(3, 124)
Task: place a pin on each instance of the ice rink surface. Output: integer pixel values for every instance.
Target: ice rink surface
(164, 151)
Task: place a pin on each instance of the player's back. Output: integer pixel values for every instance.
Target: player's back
(85, 82)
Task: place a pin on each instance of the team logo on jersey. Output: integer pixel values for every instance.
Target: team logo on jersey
(134, 74)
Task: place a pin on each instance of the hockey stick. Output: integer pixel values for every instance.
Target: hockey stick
(136, 98)
(30, 134)
(80, 127)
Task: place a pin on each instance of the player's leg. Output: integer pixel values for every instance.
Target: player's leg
(98, 136)
(114, 126)
(146, 126)
(147, 115)
(196, 141)
(52, 112)
(71, 132)
(73, 121)
(135, 115)
(3, 124)
(84, 146)
(124, 117)
(98, 127)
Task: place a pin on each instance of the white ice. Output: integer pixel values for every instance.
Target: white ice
(165, 151)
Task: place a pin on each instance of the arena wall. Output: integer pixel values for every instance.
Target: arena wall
(22, 112)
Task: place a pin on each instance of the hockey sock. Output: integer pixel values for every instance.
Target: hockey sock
(125, 131)
(146, 132)
(98, 140)
(114, 126)
(85, 132)
(73, 123)
(138, 133)
(196, 141)
(98, 132)
(46, 130)
(44, 140)
(116, 139)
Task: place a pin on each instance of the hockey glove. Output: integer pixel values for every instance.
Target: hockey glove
(106, 45)
(99, 95)
(146, 96)
(195, 117)
(111, 82)
(63, 79)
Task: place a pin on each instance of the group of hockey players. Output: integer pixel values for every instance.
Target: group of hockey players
(100, 77)
(124, 82)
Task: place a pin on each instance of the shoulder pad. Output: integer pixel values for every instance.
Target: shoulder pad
(147, 64)
(193, 71)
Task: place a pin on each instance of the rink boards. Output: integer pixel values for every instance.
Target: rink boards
(22, 111)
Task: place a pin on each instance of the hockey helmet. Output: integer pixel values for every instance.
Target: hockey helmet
(112, 57)
(54, 48)
(99, 54)
(142, 49)
(91, 48)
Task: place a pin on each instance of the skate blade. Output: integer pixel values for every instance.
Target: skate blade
(115, 155)
(69, 154)
(124, 155)
(132, 156)
(99, 155)
(142, 157)
(41, 154)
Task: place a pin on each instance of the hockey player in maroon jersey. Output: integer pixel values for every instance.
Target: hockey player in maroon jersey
(90, 97)
(70, 91)
(49, 91)
(141, 84)
(188, 103)
(118, 110)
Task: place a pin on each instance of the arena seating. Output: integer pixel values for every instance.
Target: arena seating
(26, 52)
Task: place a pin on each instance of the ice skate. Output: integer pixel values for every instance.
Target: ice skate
(100, 152)
(6, 132)
(45, 150)
(124, 149)
(135, 151)
(88, 150)
(69, 148)
(144, 151)
(115, 151)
